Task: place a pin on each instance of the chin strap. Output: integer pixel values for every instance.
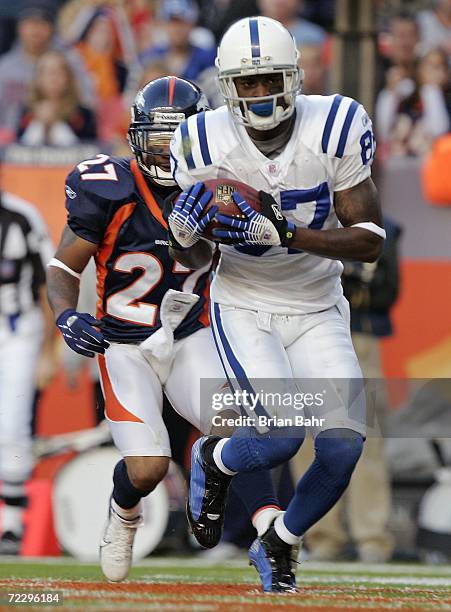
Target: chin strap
(157, 175)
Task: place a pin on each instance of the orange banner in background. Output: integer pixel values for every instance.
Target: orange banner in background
(421, 344)
(42, 186)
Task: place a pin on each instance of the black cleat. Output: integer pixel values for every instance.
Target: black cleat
(274, 559)
(207, 495)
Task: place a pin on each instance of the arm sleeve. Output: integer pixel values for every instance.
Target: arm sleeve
(355, 164)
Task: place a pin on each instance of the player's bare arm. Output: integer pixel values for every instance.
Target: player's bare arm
(63, 287)
(79, 330)
(359, 204)
(197, 256)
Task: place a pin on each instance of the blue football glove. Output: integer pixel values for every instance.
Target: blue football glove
(80, 334)
(268, 228)
(168, 206)
(187, 219)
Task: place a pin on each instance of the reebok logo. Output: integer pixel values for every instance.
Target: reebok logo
(70, 193)
(277, 212)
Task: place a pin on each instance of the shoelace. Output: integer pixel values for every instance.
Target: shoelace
(214, 497)
(281, 561)
(122, 539)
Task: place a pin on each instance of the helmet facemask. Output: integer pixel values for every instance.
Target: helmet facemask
(150, 144)
(152, 153)
(268, 111)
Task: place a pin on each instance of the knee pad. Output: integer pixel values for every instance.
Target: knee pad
(338, 451)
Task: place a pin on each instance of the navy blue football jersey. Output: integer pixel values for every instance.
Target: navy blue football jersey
(110, 203)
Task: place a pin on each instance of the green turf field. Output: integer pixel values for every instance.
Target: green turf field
(190, 585)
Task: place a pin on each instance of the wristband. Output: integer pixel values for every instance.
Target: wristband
(288, 235)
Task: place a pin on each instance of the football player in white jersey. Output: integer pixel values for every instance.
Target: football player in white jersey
(277, 308)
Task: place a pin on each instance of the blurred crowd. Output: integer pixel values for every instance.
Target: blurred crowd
(414, 105)
(69, 68)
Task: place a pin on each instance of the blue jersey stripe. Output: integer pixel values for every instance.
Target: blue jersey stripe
(201, 129)
(237, 368)
(330, 122)
(218, 345)
(186, 145)
(255, 37)
(346, 127)
(175, 164)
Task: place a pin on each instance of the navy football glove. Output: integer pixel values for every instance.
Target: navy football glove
(80, 334)
(187, 219)
(267, 228)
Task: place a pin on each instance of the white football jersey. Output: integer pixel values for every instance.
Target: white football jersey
(331, 149)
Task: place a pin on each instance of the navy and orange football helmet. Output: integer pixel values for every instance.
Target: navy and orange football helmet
(157, 110)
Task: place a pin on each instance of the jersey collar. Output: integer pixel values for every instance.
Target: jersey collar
(146, 193)
(284, 158)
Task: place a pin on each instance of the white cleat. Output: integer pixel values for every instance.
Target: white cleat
(116, 546)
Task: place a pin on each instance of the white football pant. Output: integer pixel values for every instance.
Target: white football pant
(133, 392)
(288, 354)
(19, 352)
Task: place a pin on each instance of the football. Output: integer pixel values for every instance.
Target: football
(222, 190)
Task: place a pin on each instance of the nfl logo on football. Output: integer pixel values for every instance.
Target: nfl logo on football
(224, 194)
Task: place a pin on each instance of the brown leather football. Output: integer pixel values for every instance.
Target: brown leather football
(222, 190)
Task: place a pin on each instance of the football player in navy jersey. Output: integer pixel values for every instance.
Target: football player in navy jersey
(151, 330)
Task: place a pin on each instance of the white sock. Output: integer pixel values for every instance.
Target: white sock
(263, 518)
(283, 533)
(127, 513)
(12, 519)
(218, 459)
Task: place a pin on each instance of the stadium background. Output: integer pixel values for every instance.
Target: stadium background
(358, 36)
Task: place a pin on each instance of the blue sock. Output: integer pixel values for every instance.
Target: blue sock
(255, 489)
(124, 493)
(336, 454)
(248, 451)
